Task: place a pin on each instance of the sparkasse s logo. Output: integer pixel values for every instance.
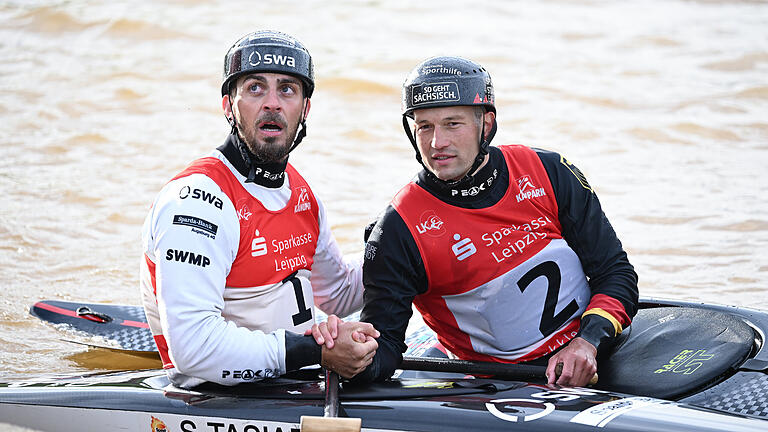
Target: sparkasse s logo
(463, 248)
(258, 245)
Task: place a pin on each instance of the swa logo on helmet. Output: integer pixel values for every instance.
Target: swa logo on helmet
(256, 59)
(463, 248)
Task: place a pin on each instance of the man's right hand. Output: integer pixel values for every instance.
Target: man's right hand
(326, 332)
(353, 348)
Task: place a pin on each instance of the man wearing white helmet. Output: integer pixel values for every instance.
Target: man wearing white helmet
(238, 249)
(505, 251)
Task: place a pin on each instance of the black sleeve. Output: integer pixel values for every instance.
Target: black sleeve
(393, 274)
(587, 231)
(301, 351)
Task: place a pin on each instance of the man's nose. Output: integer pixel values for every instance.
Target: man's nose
(439, 139)
(272, 101)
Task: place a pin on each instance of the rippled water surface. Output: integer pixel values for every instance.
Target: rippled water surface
(663, 104)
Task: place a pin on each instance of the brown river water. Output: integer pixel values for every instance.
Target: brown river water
(662, 104)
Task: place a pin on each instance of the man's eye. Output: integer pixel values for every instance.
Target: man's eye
(254, 87)
(288, 90)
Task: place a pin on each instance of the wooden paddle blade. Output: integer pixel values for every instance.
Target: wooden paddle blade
(330, 424)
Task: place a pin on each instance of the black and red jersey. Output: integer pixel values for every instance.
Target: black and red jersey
(508, 270)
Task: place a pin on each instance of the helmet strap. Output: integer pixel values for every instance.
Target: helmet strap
(303, 132)
(407, 128)
(231, 120)
(241, 146)
(484, 144)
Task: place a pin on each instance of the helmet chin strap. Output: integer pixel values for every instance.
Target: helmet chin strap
(303, 132)
(485, 142)
(251, 160)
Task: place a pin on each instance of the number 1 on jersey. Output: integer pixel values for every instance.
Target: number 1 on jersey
(305, 313)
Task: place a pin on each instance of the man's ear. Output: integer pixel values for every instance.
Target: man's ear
(488, 119)
(226, 106)
(306, 109)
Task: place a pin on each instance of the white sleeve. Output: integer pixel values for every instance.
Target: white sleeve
(191, 267)
(337, 281)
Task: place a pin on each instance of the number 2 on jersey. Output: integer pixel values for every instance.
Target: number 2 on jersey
(549, 320)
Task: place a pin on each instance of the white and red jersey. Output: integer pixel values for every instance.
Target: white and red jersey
(229, 266)
(503, 284)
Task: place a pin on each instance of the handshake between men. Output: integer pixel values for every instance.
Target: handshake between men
(348, 347)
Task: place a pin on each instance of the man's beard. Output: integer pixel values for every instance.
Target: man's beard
(271, 149)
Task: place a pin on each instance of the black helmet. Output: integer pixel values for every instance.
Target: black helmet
(447, 81)
(268, 51)
(444, 82)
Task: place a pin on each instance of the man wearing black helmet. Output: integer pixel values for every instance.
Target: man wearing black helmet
(232, 242)
(505, 250)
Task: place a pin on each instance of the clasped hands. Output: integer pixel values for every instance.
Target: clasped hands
(348, 347)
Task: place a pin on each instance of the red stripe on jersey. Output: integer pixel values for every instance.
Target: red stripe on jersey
(151, 269)
(162, 348)
(612, 306)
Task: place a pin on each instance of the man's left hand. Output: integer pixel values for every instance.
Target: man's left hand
(326, 332)
(579, 364)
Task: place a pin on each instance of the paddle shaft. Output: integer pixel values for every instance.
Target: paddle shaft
(330, 422)
(331, 394)
(499, 370)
